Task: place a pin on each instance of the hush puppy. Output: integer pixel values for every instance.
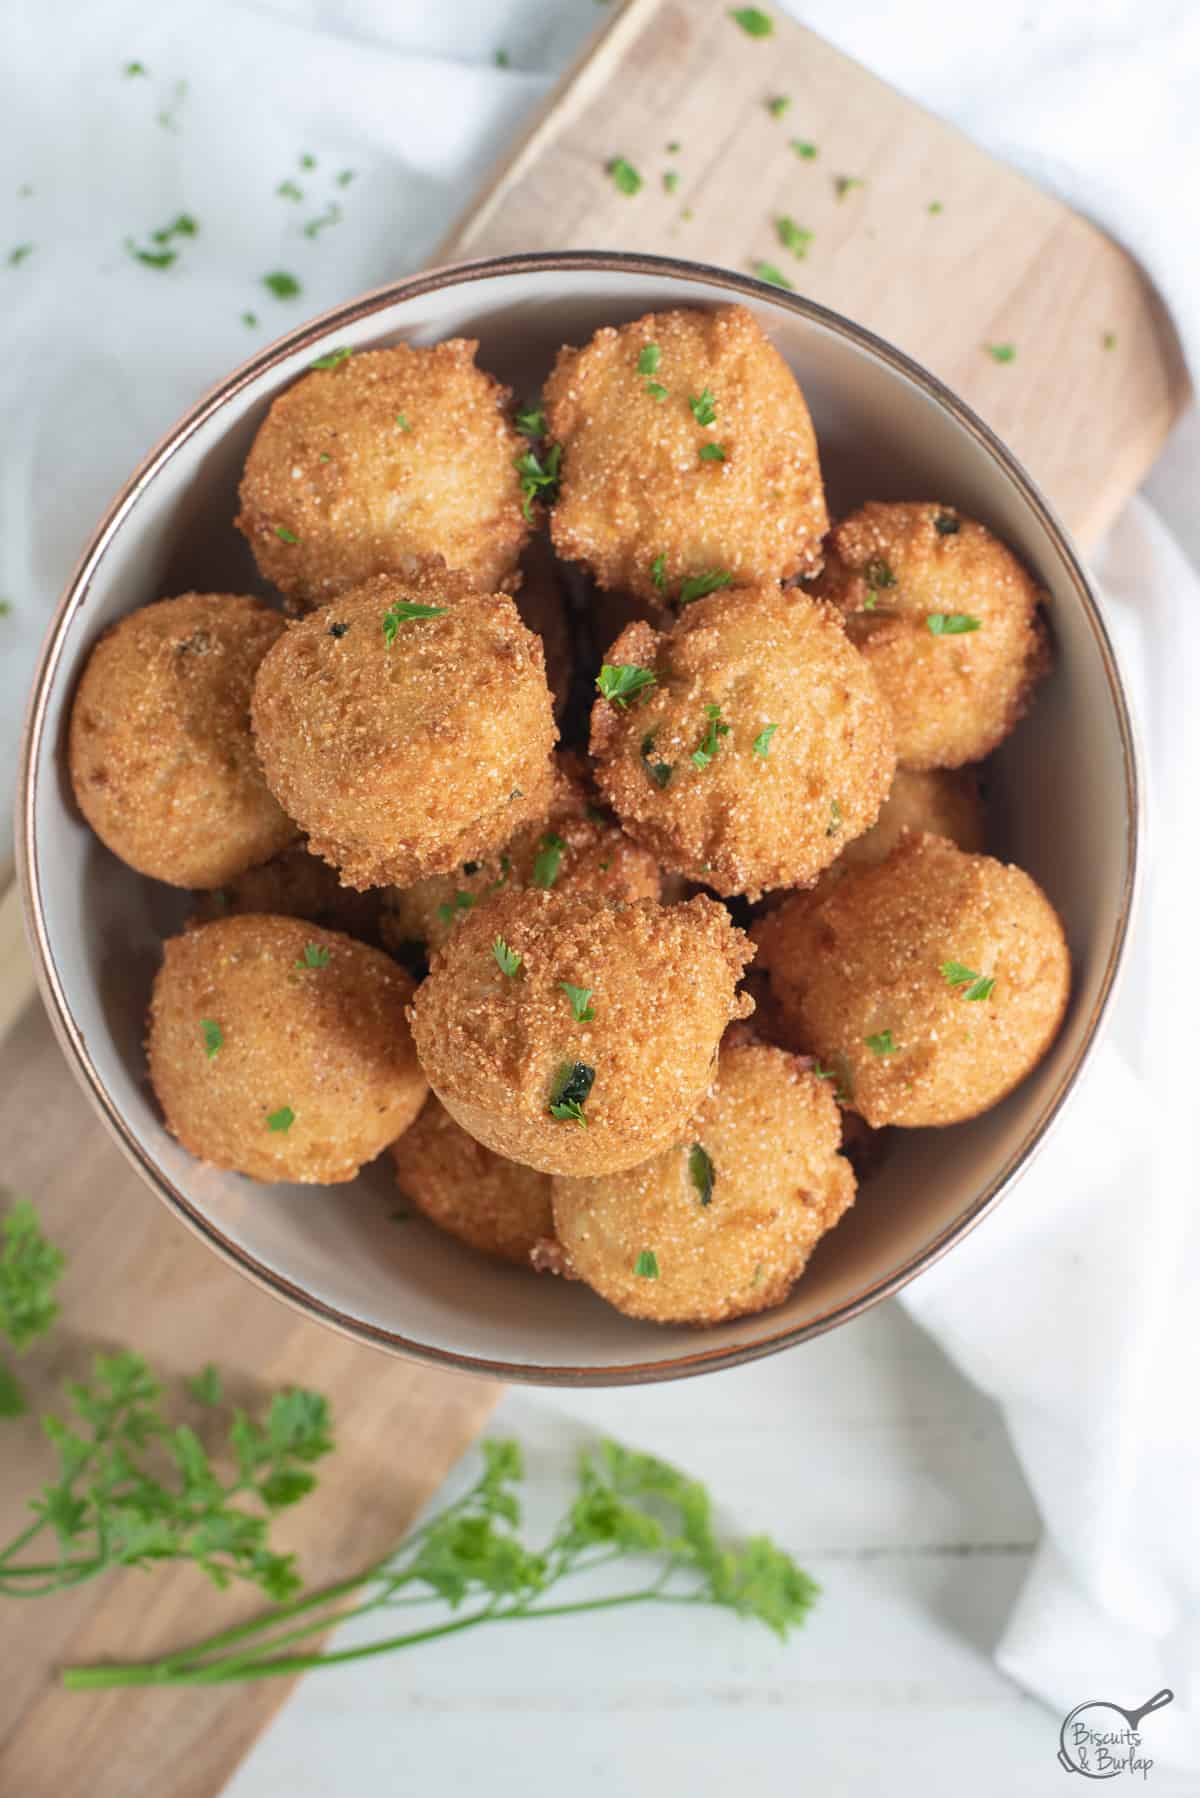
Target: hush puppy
(948, 620)
(931, 983)
(722, 1223)
(946, 802)
(296, 884)
(688, 457)
(161, 756)
(576, 1036)
(748, 744)
(575, 848)
(381, 459)
(494, 1205)
(407, 727)
(282, 1050)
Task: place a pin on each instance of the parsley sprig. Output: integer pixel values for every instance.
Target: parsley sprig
(619, 682)
(30, 1266)
(710, 743)
(539, 476)
(978, 986)
(405, 611)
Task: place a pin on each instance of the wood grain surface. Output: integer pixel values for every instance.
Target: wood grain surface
(999, 262)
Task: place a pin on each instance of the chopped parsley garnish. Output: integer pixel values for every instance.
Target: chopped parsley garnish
(331, 216)
(333, 359)
(460, 902)
(844, 184)
(214, 1036)
(882, 1044)
(281, 284)
(659, 772)
(674, 147)
(507, 960)
(1109, 341)
(402, 422)
(18, 254)
(670, 181)
(878, 574)
(946, 524)
(338, 630)
(151, 258)
(753, 21)
(646, 1265)
(762, 742)
(316, 955)
(405, 611)
(569, 1094)
(308, 161)
(5, 607)
(778, 104)
(281, 1120)
(284, 535)
(835, 819)
(288, 190)
(767, 271)
(979, 986)
(582, 1009)
(250, 319)
(951, 624)
(548, 861)
(934, 207)
(502, 59)
(625, 177)
(712, 452)
(804, 150)
(344, 177)
(325, 457)
(648, 361)
(531, 422)
(620, 681)
(656, 390)
(792, 236)
(1001, 352)
(538, 476)
(135, 68)
(698, 586)
(704, 410)
(843, 1092)
(711, 740)
(704, 1175)
(658, 572)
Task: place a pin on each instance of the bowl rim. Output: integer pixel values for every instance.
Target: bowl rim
(454, 274)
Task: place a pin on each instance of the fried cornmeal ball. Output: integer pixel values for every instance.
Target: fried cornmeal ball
(282, 1050)
(949, 621)
(576, 848)
(494, 1205)
(722, 1223)
(687, 454)
(747, 744)
(946, 802)
(931, 983)
(577, 1036)
(543, 607)
(385, 457)
(295, 884)
(160, 751)
(407, 727)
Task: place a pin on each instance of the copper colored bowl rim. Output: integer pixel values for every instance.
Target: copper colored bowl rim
(675, 1366)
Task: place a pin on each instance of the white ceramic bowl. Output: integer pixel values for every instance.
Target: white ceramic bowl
(1066, 778)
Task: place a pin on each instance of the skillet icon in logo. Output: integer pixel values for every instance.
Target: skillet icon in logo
(1100, 1739)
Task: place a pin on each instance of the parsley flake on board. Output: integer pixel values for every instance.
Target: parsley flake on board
(881, 1044)
(762, 742)
(703, 407)
(507, 960)
(702, 1171)
(712, 452)
(805, 150)
(1001, 352)
(539, 476)
(951, 624)
(569, 1094)
(711, 740)
(619, 682)
(934, 207)
(281, 284)
(213, 1036)
(1109, 341)
(625, 177)
(332, 359)
(548, 861)
(844, 184)
(778, 104)
(582, 1009)
(753, 21)
(406, 611)
(646, 1265)
(281, 1120)
(792, 236)
(659, 772)
(978, 986)
(775, 277)
(316, 955)
(699, 586)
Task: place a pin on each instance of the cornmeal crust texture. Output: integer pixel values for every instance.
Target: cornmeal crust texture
(500, 1049)
(639, 500)
(948, 620)
(762, 747)
(295, 884)
(282, 1050)
(494, 1205)
(406, 744)
(932, 983)
(946, 802)
(160, 751)
(385, 459)
(721, 1224)
(576, 848)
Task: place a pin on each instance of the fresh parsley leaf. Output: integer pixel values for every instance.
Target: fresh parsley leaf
(316, 955)
(624, 176)
(282, 1120)
(618, 682)
(250, 319)
(135, 68)
(548, 861)
(703, 407)
(656, 390)
(649, 359)
(711, 740)
(753, 21)
(792, 236)
(331, 216)
(762, 742)
(539, 476)
(569, 1093)
(531, 422)
(704, 1175)
(288, 190)
(1109, 341)
(934, 207)
(778, 105)
(670, 181)
(206, 1387)
(308, 161)
(460, 902)
(698, 586)
(806, 151)
(767, 271)
(344, 177)
(333, 359)
(402, 422)
(951, 624)
(979, 986)
(407, 611)
(946, 524)
(835, 819)
(502, 59)
(284, 535)
(582, 1009)
(659, 772)
(19, 253)
(712, 452)
(212, 1035)
(150, 258)
(881, 1044)
(30, 1267)
(674, 147)
(658, 572)
(646, 1265)
(507, 960)
(281, 284)
(844, 184)
(1001, 352)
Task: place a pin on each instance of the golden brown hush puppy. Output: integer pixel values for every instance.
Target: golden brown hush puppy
(722, 1223)
(382, 458)
(497, 1206)
(747, 744)
(576, 848)
(948, 620)
(688, 456)
(945, 802)
(931, 983)
(161, 756)
(407, 727)
(295, 884)
(576, 1036)
(543, 607)
(282, 1050)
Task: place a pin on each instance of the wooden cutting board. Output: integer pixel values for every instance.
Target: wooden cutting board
(999, 262)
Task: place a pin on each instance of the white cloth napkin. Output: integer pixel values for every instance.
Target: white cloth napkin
(1076, 1305)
